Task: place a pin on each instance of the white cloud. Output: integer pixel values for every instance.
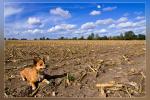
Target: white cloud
(95, 12)
(103, 31)
(62, 27)
(17, 25)
(100, 31)
(131, 24)
(79, 31)
(105, 21)
(88, 25)
(139, 17)
(137, 30)
(8, 11)
(98, 6)
(140, 28)
(34, 21)
(140, 23)
(52, 20)
(112, 26)
(109, 8)
(34, 31)
(125, 24)
(60, 12)
(122, 19)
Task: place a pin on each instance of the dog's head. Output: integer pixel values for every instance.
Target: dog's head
(39, 63)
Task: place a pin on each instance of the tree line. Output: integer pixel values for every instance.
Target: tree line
(129, 35)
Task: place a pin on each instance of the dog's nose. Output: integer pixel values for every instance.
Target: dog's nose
(46, 66)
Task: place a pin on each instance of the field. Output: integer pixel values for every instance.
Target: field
(78, 68)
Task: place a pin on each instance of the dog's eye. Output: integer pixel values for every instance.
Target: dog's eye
(41, 64)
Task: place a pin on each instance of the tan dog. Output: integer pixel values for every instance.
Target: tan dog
(32, 73)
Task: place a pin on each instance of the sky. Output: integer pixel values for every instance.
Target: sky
(54, 20)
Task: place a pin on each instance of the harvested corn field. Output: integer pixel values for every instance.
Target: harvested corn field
(78, 68)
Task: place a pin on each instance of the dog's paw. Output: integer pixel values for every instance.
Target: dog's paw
(23, 79)
(46, 81)
(33, 88)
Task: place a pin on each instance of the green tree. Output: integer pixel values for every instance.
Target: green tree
(91, 36)
(121, 37)
(129, 35)
(141, 37)
(74, 38)
(81, 38)
(97, 37)
(42, 38)
(61, 38)
(23, 39)
(104, 38)
(47, 38)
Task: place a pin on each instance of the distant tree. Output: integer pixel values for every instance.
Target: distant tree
(109, 38)
(47, 38)
(74, 38)
(91, 36)
(104, 38)
(13, 39)
(114, 38)
(61, 38)
(23, 39)
(129, 35)
(67, 38)
(42, 38)
(141, 37)
(97, 37)
(81, 38)
(121, 37)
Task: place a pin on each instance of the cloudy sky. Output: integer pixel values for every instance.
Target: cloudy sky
(53, 20)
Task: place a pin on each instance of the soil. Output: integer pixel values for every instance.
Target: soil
(74, 67)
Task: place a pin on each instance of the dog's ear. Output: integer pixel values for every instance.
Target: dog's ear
(45, 58)
(35, 60)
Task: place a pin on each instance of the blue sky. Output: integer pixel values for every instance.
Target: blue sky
(53, 20)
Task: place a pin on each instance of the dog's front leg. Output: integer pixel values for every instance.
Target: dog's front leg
(33, 86)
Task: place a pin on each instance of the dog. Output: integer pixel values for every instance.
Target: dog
(32, 74)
